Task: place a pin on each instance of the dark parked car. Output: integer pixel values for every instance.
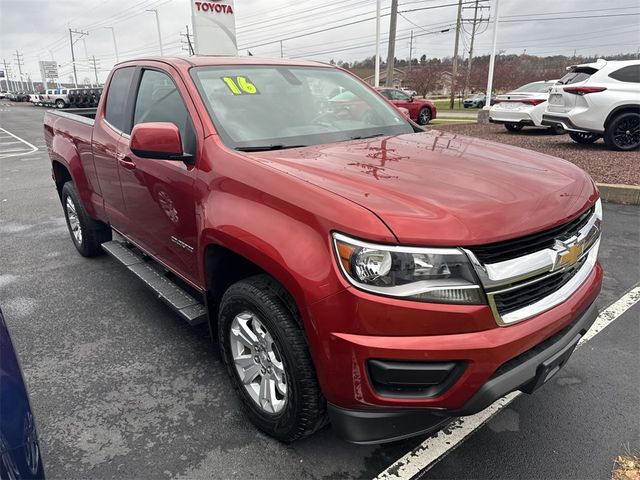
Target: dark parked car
(19, 446)
(477, 100)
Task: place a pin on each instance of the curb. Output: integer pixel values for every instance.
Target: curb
(623, 194)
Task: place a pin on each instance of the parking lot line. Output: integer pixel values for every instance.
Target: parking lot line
(435, 448)
(17, 153)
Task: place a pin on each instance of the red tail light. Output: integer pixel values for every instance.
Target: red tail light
(527, 101)
(583, 90)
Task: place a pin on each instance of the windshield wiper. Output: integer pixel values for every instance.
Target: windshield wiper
(361, 137)
(266, 148)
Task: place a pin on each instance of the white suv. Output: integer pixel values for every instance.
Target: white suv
(596, 100)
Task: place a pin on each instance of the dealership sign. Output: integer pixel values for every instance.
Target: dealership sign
(49, 70)
(214, 27)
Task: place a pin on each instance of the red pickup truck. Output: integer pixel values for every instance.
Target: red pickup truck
(352, 266)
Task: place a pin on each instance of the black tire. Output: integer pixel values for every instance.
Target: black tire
(305, 409)
(623, 132)
(60, 103)
(584, 137)
(513, 127)
(424, 116)
(93, 233)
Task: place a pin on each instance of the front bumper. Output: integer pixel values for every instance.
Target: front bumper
(525, 372)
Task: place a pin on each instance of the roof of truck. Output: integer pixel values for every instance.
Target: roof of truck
(217, 60)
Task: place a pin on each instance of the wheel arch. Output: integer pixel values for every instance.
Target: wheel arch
(634, 108)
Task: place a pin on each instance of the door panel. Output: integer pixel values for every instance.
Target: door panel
(158, 194)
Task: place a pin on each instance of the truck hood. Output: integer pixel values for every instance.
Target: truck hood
(437, 188)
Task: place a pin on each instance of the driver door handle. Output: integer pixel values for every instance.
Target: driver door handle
(125, 161)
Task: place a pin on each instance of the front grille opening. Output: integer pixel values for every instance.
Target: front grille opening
(521, 297)
(510, 249)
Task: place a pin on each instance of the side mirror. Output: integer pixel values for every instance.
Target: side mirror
(159, 140)
(411, 98)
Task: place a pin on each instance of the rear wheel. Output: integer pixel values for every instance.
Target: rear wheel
(424, 116)
(513, 127)
(584, 137)
(59, 103)
(266, 355)
(87, 234)
(623, 132)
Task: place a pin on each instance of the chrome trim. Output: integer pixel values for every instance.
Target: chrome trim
(554, 299)
(394, 248)
(498, 278)
(494, 275)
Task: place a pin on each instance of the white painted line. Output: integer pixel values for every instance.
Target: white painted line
(435, 448)
(7, 154)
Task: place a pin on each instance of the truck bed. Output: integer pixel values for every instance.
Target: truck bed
(76, 123)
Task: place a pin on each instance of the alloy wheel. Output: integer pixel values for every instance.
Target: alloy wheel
(258, 363)
(74, 221)
(627, 133)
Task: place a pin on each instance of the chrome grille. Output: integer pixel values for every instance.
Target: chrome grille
(538, 278)
(510, 249)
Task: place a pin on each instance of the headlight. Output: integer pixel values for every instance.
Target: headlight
(442, 275)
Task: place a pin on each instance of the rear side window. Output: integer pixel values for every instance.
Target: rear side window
(577, 75)
(627, 74)
(116, 108)
(159, 100)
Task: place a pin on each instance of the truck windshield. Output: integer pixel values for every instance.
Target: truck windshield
(273, 107)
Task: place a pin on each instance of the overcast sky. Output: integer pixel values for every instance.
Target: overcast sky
(38, 29)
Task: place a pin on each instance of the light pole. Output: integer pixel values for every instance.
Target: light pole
(158, 25)
(492, 60)
(376, 80)
(115, 45)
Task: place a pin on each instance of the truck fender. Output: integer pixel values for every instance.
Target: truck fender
(65, 152)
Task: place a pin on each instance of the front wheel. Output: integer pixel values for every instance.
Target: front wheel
(623, 132)
(59, 103)
(87, 234)
(513, 127)
(267, 358)
(584, 137)
(424, 116)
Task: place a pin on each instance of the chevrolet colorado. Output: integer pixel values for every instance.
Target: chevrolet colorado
(353, 267)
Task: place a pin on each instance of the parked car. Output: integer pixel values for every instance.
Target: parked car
(36, 99)
(477, 100)
(523, 106)
(421, 111)
(3, 94)
(408, 91)
(598, 100)
(352, 266)
(19, 97)
(19, 445)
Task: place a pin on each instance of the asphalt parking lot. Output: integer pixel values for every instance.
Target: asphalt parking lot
(122, 388)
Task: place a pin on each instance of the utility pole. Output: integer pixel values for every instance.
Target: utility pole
(158, 26)
(115, 45)
(20, 63)
(281, 50)
(455, 57)
(410, 50)
(188, 39)
(73, 55)
(7, 75)
(473, 36)
(392, 42)
(492, 59)
(376, 75)
(94, 65)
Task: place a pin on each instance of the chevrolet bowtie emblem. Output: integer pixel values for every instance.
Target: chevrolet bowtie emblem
(568, 255)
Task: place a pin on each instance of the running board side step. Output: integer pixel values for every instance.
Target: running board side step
(159, 280)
